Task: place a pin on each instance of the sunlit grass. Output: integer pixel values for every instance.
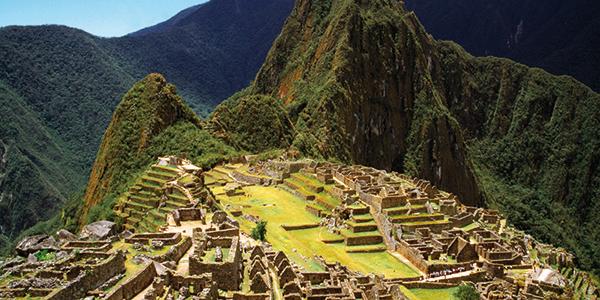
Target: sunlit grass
(277, 207)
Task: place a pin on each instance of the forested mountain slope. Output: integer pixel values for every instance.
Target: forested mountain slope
(369, 85)
(70, 82)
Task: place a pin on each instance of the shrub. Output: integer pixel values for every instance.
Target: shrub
(466, 292)
(44, 255)
(260, 231)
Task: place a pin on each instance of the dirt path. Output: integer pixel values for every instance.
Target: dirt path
(183, 266)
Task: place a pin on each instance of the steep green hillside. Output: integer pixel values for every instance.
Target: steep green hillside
(368, 85)
(535, 140)
(71, 82)
(35, 165)
(151, 120)
(66, 77)
(209, 51)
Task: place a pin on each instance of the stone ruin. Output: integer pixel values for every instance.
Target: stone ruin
(447, 242)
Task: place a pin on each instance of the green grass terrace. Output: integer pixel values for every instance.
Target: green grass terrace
(280, 207)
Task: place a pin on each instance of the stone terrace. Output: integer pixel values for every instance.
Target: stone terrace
(191, 244)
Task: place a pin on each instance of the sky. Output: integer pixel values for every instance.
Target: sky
(106, 18)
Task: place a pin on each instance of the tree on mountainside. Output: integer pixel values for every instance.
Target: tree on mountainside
(260, 231)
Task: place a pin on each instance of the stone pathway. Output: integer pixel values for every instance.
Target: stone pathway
(455, 275)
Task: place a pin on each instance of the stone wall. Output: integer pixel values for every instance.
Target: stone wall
(316, 277)
(434, 227)
(145, 238)
(233, 231)
(197, 282)
(190, 214)
(135, 284)
(90, 254)
(176, 252)
(242, 296)
(299, 227)
(226, 274)
(412, 255)
(313, 210)
(90, 279)
(250, 178)
(294, 189)
(23, 293)
(363, 240)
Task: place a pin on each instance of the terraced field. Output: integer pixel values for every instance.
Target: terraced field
(140, 205)
(278, 206)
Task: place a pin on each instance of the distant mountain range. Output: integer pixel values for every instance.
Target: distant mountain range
(562, 37)
(59, 86)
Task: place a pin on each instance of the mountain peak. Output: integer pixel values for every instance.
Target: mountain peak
(363, 70)
(362, 82)
(150, 106)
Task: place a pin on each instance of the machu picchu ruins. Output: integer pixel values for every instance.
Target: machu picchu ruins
(333, 231)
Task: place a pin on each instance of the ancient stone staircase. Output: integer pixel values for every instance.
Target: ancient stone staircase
(145, 205)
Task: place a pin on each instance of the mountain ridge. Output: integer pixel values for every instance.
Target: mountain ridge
(559, 36)
(72, 80)
(370, 86)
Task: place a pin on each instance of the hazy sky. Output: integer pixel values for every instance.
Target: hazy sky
(106, 18)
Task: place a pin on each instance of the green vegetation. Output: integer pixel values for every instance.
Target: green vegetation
(501, 134)
(260, 231)
(44, 255)
(275, 205)
(59, 87)
(37, 171)
(254, 123)
(466, 292)
(432, 294)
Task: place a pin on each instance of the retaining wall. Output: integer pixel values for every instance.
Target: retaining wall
(135, 284)
(90, 279)
(176, 252)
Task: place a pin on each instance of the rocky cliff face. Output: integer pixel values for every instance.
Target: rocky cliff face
(365, 89)
(363, 82)
(149, 108)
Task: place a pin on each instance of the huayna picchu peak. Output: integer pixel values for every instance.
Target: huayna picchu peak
(366, 160)
(368, 85)
(150, 119)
